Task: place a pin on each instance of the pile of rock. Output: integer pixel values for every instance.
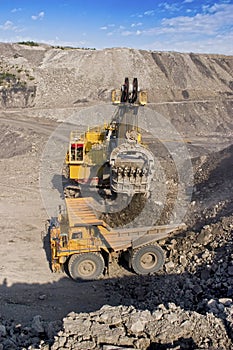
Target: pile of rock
(127, 327)
(124, 327)
(14, 336)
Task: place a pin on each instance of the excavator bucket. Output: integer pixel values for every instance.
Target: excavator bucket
(142, 98)
(116, 96)
(125, 91)
(134, 93)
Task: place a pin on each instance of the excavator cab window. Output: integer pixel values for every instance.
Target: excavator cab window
(77, 235)
(77, 152)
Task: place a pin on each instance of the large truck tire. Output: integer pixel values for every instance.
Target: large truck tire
(86, 266)
(147, 259)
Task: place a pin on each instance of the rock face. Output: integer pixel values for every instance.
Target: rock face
(19, 96)
(66, 78)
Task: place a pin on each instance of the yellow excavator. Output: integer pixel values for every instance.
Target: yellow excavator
(112, 155)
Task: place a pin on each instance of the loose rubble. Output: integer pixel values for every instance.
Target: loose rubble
(167, 327)
(187, 306)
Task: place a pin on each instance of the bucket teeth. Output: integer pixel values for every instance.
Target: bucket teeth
(130, 171)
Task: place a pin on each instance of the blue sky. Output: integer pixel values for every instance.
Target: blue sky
(183, 25)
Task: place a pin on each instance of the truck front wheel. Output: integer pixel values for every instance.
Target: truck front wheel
(86, 266)
(147, 259)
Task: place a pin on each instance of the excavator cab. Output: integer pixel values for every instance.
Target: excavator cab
(76, 152)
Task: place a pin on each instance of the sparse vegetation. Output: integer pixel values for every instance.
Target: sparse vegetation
(29, 43)
(14, 76)
(10, 80)
(72, 48)
(7, 77)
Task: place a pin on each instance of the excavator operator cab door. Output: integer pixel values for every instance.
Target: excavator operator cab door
(76, 152)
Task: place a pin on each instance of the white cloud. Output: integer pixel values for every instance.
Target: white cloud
(39, 16)
(207, 31)
(218, 8)
(136, 24)
(170, 7)
(127, 33)
(16, 10)
(112, 25)
(208, 23)
(10, 26)
(149, 13)
(131, 32)
(219, 45)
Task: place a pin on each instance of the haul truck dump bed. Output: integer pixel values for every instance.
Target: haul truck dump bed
(86, 244)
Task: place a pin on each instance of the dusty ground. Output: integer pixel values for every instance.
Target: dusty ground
(27, 286)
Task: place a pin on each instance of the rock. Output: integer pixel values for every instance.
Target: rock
(8, 344)
(204, 237)
(183, 260)
(212, 306)
(52, 328)
(169, 266)
(225, 301)
(2, 330)
(230, 270)
(37, 324)
(172, 318)
(136, 322)
(205, 274)
(197, 289)
(157, 315)
(42, 297)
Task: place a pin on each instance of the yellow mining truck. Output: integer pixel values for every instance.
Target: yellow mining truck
(85, 245)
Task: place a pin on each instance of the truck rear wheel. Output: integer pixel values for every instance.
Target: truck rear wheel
(147, 259)
(86, 266)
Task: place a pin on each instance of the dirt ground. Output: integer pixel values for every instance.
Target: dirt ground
(28, 287)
